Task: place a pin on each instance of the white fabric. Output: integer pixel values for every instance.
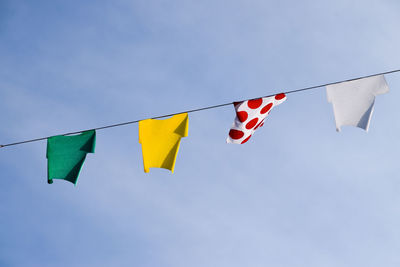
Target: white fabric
(250, 115)
(353, 102)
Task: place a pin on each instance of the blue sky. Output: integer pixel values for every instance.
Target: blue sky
(297, 194)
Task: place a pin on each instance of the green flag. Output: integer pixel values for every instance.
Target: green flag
(66, 154)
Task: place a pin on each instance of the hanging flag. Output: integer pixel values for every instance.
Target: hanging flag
(160, 141)
(66, 154)
(353, 101)
(250, 115)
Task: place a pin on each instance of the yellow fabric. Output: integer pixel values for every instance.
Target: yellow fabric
(160, 141)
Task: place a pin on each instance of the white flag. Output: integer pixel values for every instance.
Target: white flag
(353, 101)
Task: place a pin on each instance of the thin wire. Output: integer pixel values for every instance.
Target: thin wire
(200, 109)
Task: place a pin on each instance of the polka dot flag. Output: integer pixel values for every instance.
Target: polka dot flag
(250, 115)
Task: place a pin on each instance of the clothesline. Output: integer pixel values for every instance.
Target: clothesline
(199, 109)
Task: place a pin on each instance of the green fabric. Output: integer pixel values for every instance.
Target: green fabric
(66, 154)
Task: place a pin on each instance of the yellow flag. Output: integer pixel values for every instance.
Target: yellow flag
(160, 141)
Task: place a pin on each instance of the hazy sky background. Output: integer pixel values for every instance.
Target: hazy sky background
(297, 194)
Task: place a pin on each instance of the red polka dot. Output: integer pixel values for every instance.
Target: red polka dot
(259, 125)
(236, 134)
(242, 116)
(280, 96)
(266, 108)
(251, 123)
(245, 140)
(255, 103)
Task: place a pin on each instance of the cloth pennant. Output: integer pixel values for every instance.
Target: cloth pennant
(250, 115)
(160, 140)
(66, 155)
(353, 101)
